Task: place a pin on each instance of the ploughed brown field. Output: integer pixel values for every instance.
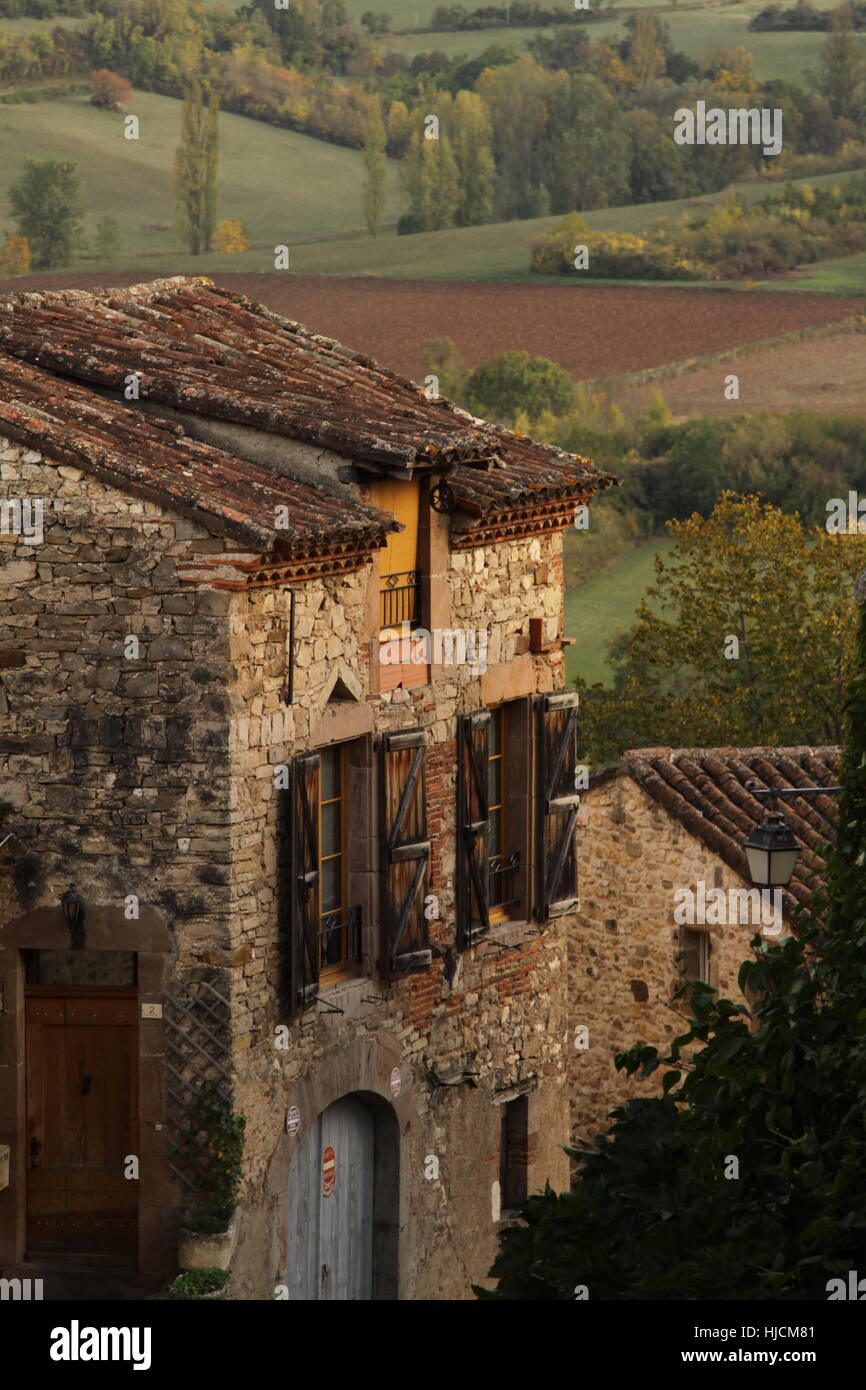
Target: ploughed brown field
(823, 374)
(592, 331)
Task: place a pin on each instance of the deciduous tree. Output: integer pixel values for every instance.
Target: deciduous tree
(196, 170)
(46, 205)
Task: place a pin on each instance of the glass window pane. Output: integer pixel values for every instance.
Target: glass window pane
(494, 782)
(330, 774)
(330, 880)
(494, 845)
(331, 828)
(494, 742)
(331, 938)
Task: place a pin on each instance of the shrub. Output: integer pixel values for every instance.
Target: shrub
(230, 237)
(109, 89)
(216, 1130)
(196, 1282)
(15, 255)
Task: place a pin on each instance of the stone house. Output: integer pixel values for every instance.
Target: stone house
(665, 897)
(290, 775)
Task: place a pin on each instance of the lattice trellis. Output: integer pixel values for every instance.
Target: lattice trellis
(197, 1049)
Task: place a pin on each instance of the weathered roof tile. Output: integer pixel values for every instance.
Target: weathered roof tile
(705, 790)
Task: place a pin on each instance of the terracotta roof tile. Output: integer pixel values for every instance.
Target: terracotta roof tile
(150, 457)
(705, 790)
(210, 351)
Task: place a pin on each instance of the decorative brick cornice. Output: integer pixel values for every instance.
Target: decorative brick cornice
(517, 523)
(244, 571)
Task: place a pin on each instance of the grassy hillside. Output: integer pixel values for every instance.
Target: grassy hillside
(501, 250)
(605, 605)
(846, 274)
(776, 55)
(283, 185)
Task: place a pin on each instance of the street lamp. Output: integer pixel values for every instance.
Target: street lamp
(772, 848)
(772, 851)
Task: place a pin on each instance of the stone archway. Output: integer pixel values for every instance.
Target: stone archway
(342, 1196)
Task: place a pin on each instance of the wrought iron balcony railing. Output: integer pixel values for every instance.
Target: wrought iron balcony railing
(503, 871)
(400, 599)
(340, 938)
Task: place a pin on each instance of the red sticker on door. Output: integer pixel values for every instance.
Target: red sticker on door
(329, 1171)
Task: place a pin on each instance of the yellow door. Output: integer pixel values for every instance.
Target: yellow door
(398, 561)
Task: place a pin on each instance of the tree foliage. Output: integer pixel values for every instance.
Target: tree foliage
(196, 169)
(375, 168)
(780, 1085)
(752, 573)
(14, 255)
(46, 205)
(109, 89)
(516, 381)
(107, 242)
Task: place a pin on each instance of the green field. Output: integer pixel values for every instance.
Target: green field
(284, 186)
(776, 55)
(604, 605)
(14, 28)
(499, 250)
(845, 275)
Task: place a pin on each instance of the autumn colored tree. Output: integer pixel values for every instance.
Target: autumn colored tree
(429, 173)
(15, 255)
(746, 637)
(230, 237)
(399, 127)
(646, 57)
(471, 140)
(109, 89)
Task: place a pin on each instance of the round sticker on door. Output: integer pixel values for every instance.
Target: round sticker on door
(395, 1082)
(293, 1121)
(329, 1171)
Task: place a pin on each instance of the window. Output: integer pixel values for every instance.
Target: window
(695, 956)
(493, 808)
(514, 1152)
(321, 911)
(501, 860)
(336, 948)
(405, 851)
(560, 801)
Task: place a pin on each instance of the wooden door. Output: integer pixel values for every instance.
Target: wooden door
(330, 1254)
(82, 1117)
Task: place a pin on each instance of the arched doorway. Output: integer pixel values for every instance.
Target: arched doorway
(342, 1204)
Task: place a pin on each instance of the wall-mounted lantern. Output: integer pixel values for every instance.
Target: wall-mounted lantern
(772, 848)
(73, 911)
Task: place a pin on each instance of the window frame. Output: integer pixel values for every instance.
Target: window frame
(344, 969)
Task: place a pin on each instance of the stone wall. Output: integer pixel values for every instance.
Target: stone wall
(623, 943)
(154, 776)
(505, 1006)
(115, 765)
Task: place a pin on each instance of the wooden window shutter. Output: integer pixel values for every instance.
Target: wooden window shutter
(473, 827)
(305, 881)
(559, 802)
(405, 852)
